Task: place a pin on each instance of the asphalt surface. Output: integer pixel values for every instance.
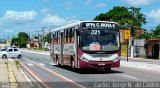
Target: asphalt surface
(52, 76)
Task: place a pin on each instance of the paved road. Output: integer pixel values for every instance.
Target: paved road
(42, 68)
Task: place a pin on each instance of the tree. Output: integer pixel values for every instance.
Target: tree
(155, 33)
(146, 35)
(14, 41)
(122, 16)
(22, 39)
(47, 38)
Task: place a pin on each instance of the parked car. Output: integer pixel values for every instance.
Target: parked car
(48, 46)
(10, 52)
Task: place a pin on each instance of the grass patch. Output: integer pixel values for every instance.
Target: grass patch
(17, 63)
(41, 49)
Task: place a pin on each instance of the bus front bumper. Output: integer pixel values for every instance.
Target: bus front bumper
(99, 64)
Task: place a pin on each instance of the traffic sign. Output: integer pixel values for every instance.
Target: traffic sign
(127, 34)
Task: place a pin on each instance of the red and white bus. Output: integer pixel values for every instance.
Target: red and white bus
(87, 44)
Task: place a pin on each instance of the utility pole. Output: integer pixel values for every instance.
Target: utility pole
(43, 28)
(134, 17)
(38, 39)
(29, 35)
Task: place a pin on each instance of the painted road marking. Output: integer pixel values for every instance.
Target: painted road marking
(41, 64)
(58, 75)
(30, 64)
(38, 79)
(28, 80)
(52, 63)
(36, 52)
(130, 77)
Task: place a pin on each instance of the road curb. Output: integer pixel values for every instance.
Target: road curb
(11, 76)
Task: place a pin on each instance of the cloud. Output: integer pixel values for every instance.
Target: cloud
(155, 14)
(46, 10)
(22, 15)
(8, 31)
(100, 5)
(53, 20)
(13, 22)
(68, 5)
(140, 2)
(13, 19)
(56, 20)
(88, 2)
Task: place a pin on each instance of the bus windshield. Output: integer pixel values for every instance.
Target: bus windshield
(99, 40)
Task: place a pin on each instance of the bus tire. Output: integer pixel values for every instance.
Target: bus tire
(57, 61)
(72, 65)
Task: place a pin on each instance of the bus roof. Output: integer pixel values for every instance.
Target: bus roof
(77, 24)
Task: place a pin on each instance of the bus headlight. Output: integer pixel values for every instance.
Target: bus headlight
(116, 59)
(84, 59)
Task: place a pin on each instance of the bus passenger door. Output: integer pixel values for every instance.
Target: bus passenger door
(52, 47)
(76, 39)
(61, 45)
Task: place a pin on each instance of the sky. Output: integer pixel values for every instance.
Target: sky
(31, 15)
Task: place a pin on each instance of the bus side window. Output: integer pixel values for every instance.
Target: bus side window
(65, 35)
(58, 33)
(72, 35)
(55, 38)
(68, 37)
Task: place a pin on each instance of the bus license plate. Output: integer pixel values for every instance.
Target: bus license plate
(101, 64)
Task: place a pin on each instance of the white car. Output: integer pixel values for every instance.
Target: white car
(10, 52)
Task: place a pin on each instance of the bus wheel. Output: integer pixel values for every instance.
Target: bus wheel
(72, 65)
(57, 62)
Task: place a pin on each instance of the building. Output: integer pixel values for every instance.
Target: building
(5, 43)
(33, 42)
(139, 31)
(152, 47)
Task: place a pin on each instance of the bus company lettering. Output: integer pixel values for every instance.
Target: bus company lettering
(108, 25)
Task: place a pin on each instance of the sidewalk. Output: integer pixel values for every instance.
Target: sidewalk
(141, 63)
(20, 76)
(150, 61)
(11, 72)
(3, 71)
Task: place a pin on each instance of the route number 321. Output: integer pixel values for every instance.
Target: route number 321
(95, 32)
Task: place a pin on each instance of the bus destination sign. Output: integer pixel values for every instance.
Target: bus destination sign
(99, 24)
